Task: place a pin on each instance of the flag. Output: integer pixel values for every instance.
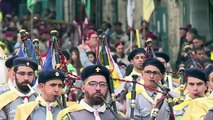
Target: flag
(130, 12)
(48, 64)
(31, 53)
(86, 11)
(112, 66)
(148, 8)
(1, 16)
(31, 5)
(20, 52)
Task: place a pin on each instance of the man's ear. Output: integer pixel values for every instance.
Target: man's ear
(83, 88)
(13, 73)
(208, 85)
(162, 77)
(41, 85)
(131, 61)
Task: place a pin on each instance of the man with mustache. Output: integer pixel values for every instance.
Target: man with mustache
(24, 74)
(91, 107)
(196, 85)
(45, 106)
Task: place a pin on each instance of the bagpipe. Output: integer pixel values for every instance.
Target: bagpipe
(104, 59)
(160, 102)
(54, 59)
(57, 61)
(30, 48)
(133, 96)
(182, 82)
(190, 55)
(60, 64)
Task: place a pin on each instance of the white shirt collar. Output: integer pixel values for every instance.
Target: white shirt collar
(94, 108)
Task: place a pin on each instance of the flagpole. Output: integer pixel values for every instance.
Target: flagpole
(1, 30)
(31, 26)
(1, 18)
(131, 40)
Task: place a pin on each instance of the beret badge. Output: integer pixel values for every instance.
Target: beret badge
(97, 69)
(56, 74)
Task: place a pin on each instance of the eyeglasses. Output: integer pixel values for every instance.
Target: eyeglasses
(200, 53)
(25, 73)
(95, 84)
(155, 73)
(94, 37)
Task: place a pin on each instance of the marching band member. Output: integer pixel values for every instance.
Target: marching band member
(199, 107)
(24, 74)
(91, 107)
(45, 106)
(136, 57)
(9, 65)
(153, 71)
(196, 85)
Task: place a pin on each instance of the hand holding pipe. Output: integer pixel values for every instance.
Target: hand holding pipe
(24, 39)
(149, 45)
(188, 49)
(36, 47)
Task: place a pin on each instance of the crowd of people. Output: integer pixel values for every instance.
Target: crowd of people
(145, 87)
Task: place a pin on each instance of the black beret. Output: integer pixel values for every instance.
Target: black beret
(196, 73)
(95, 70)
(156, 63)
(135, 52)
(119, 43)
(23, 61)
(193, 31)
(50, 74)
(91, 53)
(208, 71)
(66, 54)
(186, 28)
(9, 62)
(163, 55)
(118, 23)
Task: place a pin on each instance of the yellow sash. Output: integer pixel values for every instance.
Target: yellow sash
(73, 108)
(6, 98)
(145, 94)
(11, 95)
(23, 111)
(182, 105)
(49, 115)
